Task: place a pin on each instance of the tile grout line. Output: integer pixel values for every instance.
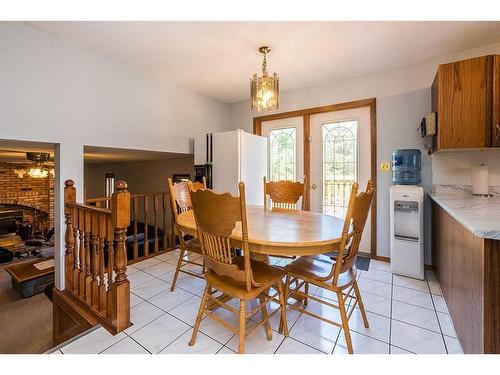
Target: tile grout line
(281, 343)
(390, 313)
(138, 343)
(405, 322)
(224, 345)
(106, 348)
(341, 329)
(306, 344)
(437, 317)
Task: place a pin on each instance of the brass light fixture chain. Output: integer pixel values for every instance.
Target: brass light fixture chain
(264, 65)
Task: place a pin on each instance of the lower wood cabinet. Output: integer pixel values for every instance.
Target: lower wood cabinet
(468, 270)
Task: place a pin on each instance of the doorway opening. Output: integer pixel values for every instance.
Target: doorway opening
(27, 237)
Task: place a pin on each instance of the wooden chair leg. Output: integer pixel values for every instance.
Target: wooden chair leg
(306, 291)
(345, 322)
(200, 315)
(285, 296)
(283, 323)
(360, 304)
(178, 268)
(241, 332)
(265, 317)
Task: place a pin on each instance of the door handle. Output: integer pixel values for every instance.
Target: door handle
(313, 186)
(498, 131)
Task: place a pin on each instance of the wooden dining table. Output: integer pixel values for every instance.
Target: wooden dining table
(281, 232)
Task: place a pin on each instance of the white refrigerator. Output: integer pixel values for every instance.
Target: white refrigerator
(234, 156)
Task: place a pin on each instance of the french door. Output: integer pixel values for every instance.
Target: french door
(285, 156)
(340, 156)
(333, 146)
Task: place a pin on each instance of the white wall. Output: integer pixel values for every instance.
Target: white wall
(454, 167)
(403, 98)
(57, 92)
(141, 176)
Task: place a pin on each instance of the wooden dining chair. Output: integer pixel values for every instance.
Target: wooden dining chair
(337, 274)
(239, 277)
(181, 202)
(285, 194)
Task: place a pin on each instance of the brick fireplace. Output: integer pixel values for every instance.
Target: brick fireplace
(34, 196)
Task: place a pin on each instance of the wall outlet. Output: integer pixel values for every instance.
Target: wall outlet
(385, 166)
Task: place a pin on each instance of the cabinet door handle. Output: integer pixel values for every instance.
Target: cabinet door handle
(498, 131)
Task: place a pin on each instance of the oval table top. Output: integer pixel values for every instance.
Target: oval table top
(282, 232)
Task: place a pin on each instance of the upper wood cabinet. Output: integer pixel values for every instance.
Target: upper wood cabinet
(466, 98)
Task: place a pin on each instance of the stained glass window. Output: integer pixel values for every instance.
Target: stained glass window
(282, 154)
(340, 165)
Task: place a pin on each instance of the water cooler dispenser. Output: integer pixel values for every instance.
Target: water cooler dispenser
(406, 215)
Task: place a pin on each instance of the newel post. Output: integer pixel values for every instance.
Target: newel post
(69, 197)
(120, 289)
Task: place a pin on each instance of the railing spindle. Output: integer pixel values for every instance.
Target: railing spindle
(166, 205)
(95, 260)
(88, 259)
(81, 257)
(156, 205)
(102, 244)
(146, 227)
(76, 252)
(110, 266)
(136, 219)
(69, 196)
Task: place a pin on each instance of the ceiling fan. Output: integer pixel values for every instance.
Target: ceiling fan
(41, 165)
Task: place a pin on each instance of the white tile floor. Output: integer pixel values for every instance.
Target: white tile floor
(405, 315)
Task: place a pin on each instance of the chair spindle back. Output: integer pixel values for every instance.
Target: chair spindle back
(285, 194)
(180, 200)
(354, 224)
(216, 216)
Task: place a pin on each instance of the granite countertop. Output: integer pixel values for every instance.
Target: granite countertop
(480, 215)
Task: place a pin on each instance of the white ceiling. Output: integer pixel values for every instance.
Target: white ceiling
(15, 151)
(217, 59)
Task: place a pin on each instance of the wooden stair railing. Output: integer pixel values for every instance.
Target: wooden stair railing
(98, 285)
(154, 209)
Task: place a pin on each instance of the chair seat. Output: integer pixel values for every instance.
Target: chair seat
(192, 245)
(263, 274)
(317, 268)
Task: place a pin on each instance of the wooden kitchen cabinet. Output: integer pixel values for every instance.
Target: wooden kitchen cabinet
(468, 271)
(466, 98)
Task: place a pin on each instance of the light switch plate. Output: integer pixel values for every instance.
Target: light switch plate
(385, 166)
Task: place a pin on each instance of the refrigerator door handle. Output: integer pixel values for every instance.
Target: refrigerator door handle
(211, 154)
(206, 148)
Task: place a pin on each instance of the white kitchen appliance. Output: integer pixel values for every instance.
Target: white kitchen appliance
(407, 230)
(234, 156)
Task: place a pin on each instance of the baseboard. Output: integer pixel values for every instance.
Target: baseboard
(428, 267)
(381, 258)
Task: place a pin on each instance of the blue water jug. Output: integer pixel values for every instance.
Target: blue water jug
(406, 166)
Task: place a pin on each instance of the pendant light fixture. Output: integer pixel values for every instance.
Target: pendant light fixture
(264, 90)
